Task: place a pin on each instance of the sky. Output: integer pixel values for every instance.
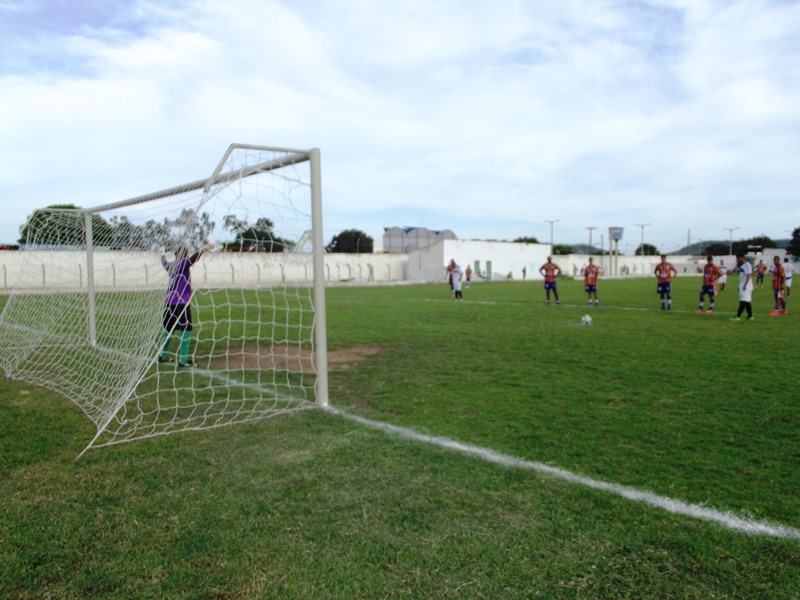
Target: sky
(675, 119)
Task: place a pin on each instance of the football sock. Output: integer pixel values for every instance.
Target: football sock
(186, 337)
(164, 344)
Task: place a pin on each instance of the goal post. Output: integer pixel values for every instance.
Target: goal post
(100, 312)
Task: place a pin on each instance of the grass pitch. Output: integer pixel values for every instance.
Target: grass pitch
(693, 407)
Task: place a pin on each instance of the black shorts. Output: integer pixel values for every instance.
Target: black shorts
(178, 317)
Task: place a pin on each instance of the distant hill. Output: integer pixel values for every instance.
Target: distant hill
(695, 249)
(699, 247)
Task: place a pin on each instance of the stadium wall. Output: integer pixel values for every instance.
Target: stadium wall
(490, 261)
(66, 270)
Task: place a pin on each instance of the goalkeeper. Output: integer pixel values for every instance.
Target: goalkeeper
(177, 310)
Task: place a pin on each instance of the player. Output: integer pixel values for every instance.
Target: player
(665, 272)
(761, 270)
(456, 277)
(550, 270)
(788, 268)
(778, 287)
(590, 274)
(745, 288)
(468, 274)
(722, 279)
(711, 273)
(449, 274)
(177, 310)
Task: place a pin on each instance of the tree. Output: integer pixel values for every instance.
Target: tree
(55, 226)
(646, 250)
(717, 249)
(757, 244)
(794, 244)
(254, 238)
(526, 240)
(561, 249)
(353, 241)
(186, 230)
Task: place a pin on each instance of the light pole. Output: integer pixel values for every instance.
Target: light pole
(642, 225)
(730, 230)
(590, 238)
(551, 231)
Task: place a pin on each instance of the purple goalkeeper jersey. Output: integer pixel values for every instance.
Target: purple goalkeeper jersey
(179, 290)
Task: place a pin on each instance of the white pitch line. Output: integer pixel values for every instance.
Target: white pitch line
(726, 520)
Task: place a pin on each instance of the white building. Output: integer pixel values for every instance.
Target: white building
(489, 260)
(407, 239)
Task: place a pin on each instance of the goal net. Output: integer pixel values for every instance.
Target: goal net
(194, 307)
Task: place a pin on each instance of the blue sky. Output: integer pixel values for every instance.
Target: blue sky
(485, 117)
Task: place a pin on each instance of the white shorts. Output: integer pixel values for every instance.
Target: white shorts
(746, 295)
(788, 282)
(722, 280)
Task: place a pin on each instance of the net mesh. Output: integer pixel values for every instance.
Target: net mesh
(86, 314)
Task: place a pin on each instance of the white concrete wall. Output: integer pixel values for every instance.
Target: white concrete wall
(39, 270)
(637, 266)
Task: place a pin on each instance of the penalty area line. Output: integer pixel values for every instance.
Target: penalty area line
(700, 512)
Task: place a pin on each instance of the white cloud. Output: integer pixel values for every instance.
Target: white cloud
(474, 116)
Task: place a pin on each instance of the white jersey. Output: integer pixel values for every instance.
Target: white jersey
(745, 282)
(456, 279)
(788, 269)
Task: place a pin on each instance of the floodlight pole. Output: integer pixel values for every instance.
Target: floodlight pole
(642, 225)
(590, 238)
(730, 230)
(551, 231)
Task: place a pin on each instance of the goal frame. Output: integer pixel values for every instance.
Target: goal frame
(292, 156)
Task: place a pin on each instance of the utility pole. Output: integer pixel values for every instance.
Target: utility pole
(731, 230)
(590, 237)
(551, 232)
(642, 225)
(602, 252)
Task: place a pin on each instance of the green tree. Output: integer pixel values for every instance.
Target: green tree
(353, 241)
(794, 244)
(761, 242)
(259, 237)
(561, 249)
(62, 225)
(188, 230)
(646, 250)
(529, 239)
(717, 249)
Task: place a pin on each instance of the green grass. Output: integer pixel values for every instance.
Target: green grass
(693, 407)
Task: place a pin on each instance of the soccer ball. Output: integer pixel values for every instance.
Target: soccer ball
(586, 320)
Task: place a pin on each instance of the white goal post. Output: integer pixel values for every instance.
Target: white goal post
(198, 306)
